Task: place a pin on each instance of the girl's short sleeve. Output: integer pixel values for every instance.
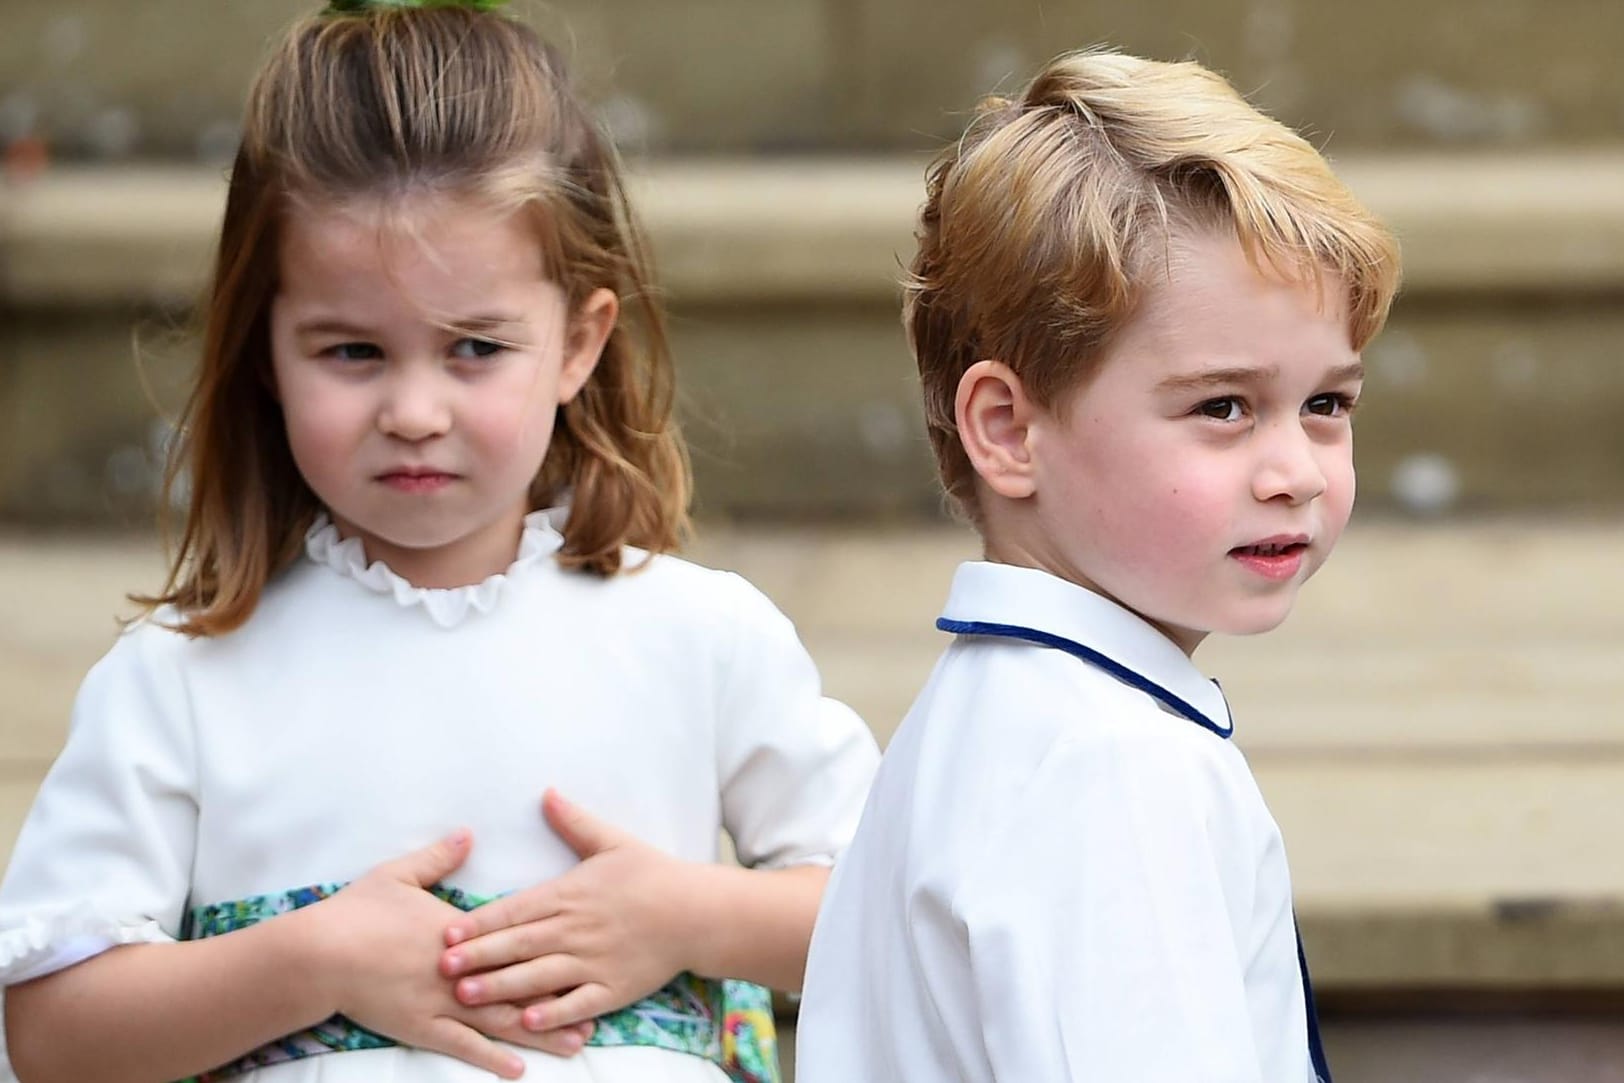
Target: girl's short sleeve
(105, 854)
(794, 765)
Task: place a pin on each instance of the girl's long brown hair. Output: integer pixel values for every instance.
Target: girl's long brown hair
(380, 105)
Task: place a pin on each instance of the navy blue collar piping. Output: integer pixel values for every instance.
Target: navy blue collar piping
(1127, 676)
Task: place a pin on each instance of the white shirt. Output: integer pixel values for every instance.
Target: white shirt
(356, 717)
(1056, 876)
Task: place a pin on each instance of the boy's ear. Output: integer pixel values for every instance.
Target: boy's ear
(589, 329)
(994, 417)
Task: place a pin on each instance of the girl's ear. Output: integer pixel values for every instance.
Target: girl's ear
(588, 332)
(994, 418)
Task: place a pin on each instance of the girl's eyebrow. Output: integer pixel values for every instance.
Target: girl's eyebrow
(328, 325)
(1228, 377)
(484, 322)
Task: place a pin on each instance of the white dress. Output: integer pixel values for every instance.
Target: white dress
(355, 718)
(1063, 872)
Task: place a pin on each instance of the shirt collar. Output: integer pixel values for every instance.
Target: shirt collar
(1064, 615)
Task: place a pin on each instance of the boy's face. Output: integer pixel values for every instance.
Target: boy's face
(1206, 469)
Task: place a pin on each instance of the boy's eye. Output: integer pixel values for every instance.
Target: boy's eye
(1334, 404)
(1225, 409)
(354, 351)
(470, 348)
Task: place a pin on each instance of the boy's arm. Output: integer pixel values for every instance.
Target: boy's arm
(1102, 922)
(164, 1011)
(624, 922)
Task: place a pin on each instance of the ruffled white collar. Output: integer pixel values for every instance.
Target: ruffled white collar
(448, 606)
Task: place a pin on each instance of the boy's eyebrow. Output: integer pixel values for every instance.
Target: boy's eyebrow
(1196, 381)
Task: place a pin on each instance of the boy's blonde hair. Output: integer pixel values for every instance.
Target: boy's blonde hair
(1043, 225)
(382, 105)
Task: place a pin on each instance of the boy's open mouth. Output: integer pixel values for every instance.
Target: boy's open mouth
(1278, 560)
(1269, 549)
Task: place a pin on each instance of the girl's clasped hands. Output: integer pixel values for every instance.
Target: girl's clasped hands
(533, 968)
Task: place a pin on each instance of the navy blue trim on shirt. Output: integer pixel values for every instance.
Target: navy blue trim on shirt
(1316, 1048)
(1094, 658)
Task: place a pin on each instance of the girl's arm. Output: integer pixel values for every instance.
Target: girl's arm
(165, 1011)
(624, 922)
(794, 770)
(754, 924)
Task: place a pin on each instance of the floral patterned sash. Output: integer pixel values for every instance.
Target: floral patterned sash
(727, 1022)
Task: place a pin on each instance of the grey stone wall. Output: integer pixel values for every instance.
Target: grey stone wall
(165, 78)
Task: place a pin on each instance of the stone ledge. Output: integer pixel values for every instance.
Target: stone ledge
(1428, 856)
(829, 229)
(1553, 949)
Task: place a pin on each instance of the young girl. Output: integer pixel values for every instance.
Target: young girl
(431, 473)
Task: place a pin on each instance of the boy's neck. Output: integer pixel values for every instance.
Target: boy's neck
(1004, 550)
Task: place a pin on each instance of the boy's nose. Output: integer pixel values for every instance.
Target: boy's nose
(413, 408)
(1289, 470)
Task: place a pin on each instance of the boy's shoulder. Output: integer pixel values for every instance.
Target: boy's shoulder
(1028, 695)
(1037, 652)
(1040, 741)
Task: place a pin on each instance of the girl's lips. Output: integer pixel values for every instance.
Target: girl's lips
(1272, 561)
(417, 483)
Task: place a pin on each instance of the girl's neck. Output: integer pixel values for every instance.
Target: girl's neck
(463, 562)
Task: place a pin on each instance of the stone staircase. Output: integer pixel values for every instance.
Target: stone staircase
(1494, 388)
(1438, 730)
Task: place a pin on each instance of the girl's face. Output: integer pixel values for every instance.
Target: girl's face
(419, 373)
(1206, 469)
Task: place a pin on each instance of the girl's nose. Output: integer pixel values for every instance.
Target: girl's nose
(413, 407)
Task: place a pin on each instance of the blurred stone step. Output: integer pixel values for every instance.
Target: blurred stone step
(1495, 387)
(1433, 1047)
(167, 77)
(1442, 838)
(831, 230)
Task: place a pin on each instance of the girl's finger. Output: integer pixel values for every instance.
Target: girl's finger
(534, 904)
(432, 863)
(563, 1042)
(580, 1005)
(504, 947)
(533, 978)
(458, 1040)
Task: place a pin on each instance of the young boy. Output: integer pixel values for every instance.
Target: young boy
(1137, 309)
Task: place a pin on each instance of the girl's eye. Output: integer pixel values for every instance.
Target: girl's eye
(1225, 409)
(470, 348)
(1334, 404)
(354, 351)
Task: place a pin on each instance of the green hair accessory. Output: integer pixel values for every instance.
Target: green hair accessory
(358, 7)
